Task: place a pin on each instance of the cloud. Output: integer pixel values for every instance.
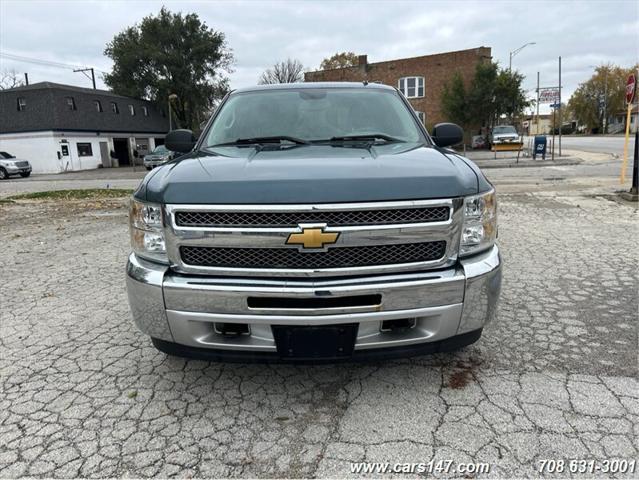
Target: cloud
(262, 33)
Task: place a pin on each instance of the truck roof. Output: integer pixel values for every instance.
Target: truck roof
(312, 85)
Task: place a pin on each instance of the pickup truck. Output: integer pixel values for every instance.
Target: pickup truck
(503, 134)
(313, 222)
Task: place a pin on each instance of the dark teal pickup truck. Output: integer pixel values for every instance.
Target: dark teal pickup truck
(314, 222)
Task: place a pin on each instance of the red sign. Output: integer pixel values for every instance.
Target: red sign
(631, 86)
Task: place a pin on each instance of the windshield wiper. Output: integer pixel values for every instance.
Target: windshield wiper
(262, 141)
(369, 137)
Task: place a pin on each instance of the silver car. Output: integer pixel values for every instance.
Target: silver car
(157, 157)
(10, 165)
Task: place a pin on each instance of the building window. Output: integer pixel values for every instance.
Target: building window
(22, 104)
(70, 103)
(411, 87)
(422, 117)
(98, 106)
(84, 150)
(131, 110)
(145, 111)
(114, 107)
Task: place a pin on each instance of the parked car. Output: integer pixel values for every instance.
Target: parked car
(10, 165)
(314, 221)
(503, 134)
(159, 156)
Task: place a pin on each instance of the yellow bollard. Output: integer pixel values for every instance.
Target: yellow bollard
(624, 165)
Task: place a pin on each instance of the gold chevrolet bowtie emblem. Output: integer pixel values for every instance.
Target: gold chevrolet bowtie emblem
(312, 238)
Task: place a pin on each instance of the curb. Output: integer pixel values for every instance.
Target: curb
(527, 163)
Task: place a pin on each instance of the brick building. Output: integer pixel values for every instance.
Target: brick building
(420, 79)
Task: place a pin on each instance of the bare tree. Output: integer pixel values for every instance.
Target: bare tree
(288, 71)
(10, 79)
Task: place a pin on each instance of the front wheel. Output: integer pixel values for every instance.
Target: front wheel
(25, 174)
(149, 168)
(3, 174)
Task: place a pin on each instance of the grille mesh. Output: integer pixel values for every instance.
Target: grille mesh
(22, 164)
(292, 219)
(290, 258)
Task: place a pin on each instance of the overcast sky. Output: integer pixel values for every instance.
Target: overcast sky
(260, 33)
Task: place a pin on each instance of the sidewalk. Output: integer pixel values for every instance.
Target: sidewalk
(486, 159)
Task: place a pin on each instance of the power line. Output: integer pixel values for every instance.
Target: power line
(38, 61)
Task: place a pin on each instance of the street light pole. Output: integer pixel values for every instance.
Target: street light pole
(515, 52)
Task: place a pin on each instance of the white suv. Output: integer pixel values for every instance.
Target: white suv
(10, 165)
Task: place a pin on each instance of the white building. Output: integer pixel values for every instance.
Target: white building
(62, 128)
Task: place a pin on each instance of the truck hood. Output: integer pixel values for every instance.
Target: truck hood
(310, 174)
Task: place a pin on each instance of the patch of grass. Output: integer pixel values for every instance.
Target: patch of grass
(132, 394)
(82, 194)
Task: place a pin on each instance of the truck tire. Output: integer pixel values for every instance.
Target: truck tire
(149, 168)
(3, 174)
(25, 174)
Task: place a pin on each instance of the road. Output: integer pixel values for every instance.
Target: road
(598, 144)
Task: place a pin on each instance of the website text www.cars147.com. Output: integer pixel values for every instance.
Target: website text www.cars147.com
(439, 466)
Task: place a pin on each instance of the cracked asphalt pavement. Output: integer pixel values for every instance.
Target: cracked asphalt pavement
(84, 394)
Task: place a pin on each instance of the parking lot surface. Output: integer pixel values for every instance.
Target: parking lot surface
(85, 394)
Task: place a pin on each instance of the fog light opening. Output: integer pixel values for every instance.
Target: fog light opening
(231, 329)
(399, 325)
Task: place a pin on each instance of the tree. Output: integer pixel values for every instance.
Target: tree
(491, 93)
(482, 100)
(455, 101)
(510, 98)
(10, 79)
(287, 71)
(339, 60)
(604, 91)
(171, 54)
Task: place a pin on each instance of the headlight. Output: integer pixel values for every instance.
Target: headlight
(147, 234)
(480, 223)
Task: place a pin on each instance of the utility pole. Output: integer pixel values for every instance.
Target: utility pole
(635, 167)
(84, 70)
(26, 78)
(605, 117)
(634, 190)
(537, 130)
(560, 112)
(171, 97)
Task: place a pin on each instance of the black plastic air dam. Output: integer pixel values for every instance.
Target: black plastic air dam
(284, 303)
(372, 355)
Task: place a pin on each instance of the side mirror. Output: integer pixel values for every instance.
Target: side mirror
(181, 141)
(446, 134)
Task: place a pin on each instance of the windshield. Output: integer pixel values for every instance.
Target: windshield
(313, 115)
(160, 149)
(505, 129)
(5, 155)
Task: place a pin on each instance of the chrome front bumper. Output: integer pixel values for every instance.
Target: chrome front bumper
(183, 309)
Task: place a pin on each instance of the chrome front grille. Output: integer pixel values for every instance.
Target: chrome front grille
(333, 218)
(374, 237)
(22, 164)
(287, 258)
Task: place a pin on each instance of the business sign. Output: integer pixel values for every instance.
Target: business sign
(549, 95)
(631, 87)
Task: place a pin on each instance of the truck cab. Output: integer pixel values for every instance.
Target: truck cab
(314, 222)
